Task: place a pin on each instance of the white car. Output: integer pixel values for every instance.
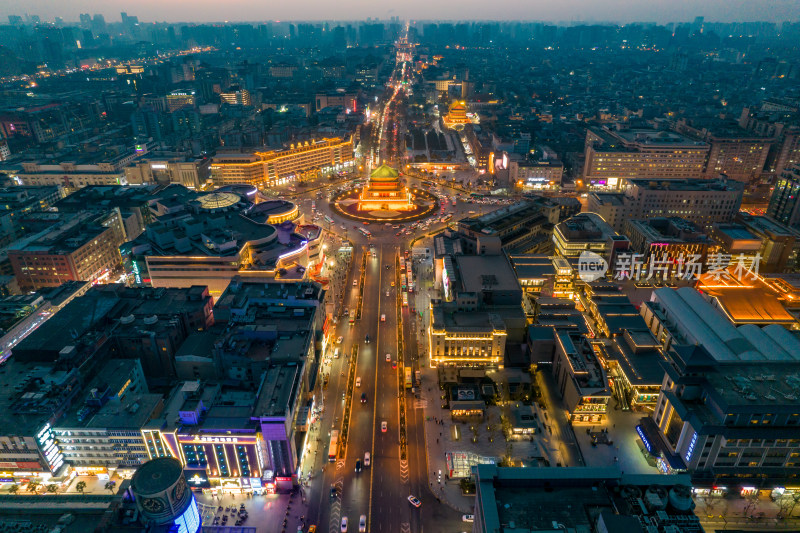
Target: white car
(384, 427)
(468, 518)
(344, 524)
(362, 524)
(355, 283)
(366, 458)
(383, 318)
(414, 501)
(388, 357)
(339, 339)
(358, 382)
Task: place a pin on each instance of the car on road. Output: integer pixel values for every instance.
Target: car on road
(387, 293)
(362, 524)
(468, 518)
(339, 339)
(393, 284)
(414, 501)
(312, 529)
(388, 357)
(384, 427)
(358, 465)
(363, 397)
(366, 458)
(398, 233)
(383, 318)
(366, 339)
(358, 382)
(355, 283)
(344, 524)
(394, 364)
(333, 491)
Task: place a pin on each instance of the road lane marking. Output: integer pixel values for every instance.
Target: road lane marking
(375, 403)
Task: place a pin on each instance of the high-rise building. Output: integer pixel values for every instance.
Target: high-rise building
(235, 96)
(700, 201)
(784, 206)
(613, 156)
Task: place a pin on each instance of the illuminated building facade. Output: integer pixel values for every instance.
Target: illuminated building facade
(384, 192)
(456, 116)
(82, 247)
(180, 99)
(784, 205)
(587, 231)
(267, 169)
(163, 497)
(701, 201)
(580, 378)
(232, 169)
(208, 240)
(308, 158)
(666, 240)
(614, 156)
(466, 339)
(235, 96)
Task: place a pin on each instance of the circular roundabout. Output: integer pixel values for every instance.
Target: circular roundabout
(385, 198)
(346, 205)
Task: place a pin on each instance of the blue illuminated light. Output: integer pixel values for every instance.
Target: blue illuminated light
(690, 451)
(644, 439)
(189, 521)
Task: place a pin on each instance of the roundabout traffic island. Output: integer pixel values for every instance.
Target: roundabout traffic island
(385, 199)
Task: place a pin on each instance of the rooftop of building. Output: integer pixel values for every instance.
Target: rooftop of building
(737, 232)
(771, 384)
(156, 475)
(693, 319)
(658, 138)
(501, 219)
(586, 369)
(479, 273)
(669, 230)
(66, 328)
(744, 299)
(533, 266)
(68, 233)
(571, 499)
(279, 388)
(615, 199)
(240, 294)
(766, 226)
(469, 322)
(262, 211)
(639, 356)
(687, 185)
(586, 226)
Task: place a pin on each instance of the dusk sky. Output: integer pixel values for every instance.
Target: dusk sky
(547, 10)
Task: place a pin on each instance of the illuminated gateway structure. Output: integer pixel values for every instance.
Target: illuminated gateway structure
(384, 192)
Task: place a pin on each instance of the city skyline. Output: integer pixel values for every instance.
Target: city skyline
(569, 11)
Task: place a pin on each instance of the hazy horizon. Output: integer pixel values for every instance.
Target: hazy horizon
(566, 11)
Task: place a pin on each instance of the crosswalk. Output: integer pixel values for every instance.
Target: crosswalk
(404, 471)
(339, 465)
(420, 404)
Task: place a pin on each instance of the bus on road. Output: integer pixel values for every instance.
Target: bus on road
(364, 232)
(408, 377)
(334, 448)
(328, 219)
(352, 316)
